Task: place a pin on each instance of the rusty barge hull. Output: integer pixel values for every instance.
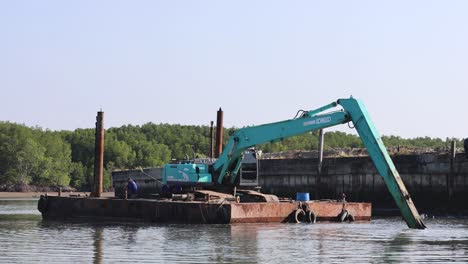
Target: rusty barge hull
(193, 212)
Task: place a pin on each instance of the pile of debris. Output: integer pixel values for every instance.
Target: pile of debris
(350, 152)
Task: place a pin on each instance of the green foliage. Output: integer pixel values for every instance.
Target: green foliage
(66, 158)
(420, 142)
(118, 152)
(30, 155)
(77, 174)
(56, 163)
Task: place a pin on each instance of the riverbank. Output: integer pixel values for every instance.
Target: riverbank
(22, 195)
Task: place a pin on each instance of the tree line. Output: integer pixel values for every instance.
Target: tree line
(32, 155)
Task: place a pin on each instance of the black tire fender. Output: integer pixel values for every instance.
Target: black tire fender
(311, 217)
(342, 216)
(299, 216)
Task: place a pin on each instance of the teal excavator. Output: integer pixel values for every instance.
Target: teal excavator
(225, 170)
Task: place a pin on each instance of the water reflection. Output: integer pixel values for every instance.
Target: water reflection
(399, 243)
(129, 233)
(29, 239)
(243, 238)
(201, 243)
(98, 240)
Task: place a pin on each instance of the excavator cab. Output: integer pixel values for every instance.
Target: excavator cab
(248, 173)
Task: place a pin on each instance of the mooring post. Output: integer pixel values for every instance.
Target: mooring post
(219, 133)
(320, 147)
(465, 146)
(98, 155)
(453, 152)
(319, 166)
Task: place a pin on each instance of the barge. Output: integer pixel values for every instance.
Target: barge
(215, 210)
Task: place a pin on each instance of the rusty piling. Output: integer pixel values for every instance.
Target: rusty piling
(219, 133)
(98, 155)
(211, 139)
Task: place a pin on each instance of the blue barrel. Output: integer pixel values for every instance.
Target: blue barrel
(302, 197)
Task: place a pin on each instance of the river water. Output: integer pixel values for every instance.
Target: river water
(25, 238)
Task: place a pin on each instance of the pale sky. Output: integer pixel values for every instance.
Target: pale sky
(177, 62)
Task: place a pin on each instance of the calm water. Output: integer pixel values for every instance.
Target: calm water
(25, 238)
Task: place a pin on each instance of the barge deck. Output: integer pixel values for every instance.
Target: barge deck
(199, 212)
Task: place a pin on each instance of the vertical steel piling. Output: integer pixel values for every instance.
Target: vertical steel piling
(211, 139)
(219, 133)
(320, 147)
(98, 155)
(450, 175)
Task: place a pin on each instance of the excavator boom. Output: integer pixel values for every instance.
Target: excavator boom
(245, 138)
(228, 163)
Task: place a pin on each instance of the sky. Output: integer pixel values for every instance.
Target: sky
(178, 62)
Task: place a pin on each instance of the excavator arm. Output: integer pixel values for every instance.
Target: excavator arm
(382, 161)
(228, 163)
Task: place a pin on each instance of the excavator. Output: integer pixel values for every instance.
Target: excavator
(224, 171)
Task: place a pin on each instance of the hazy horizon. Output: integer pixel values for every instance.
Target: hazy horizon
(177, 62)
